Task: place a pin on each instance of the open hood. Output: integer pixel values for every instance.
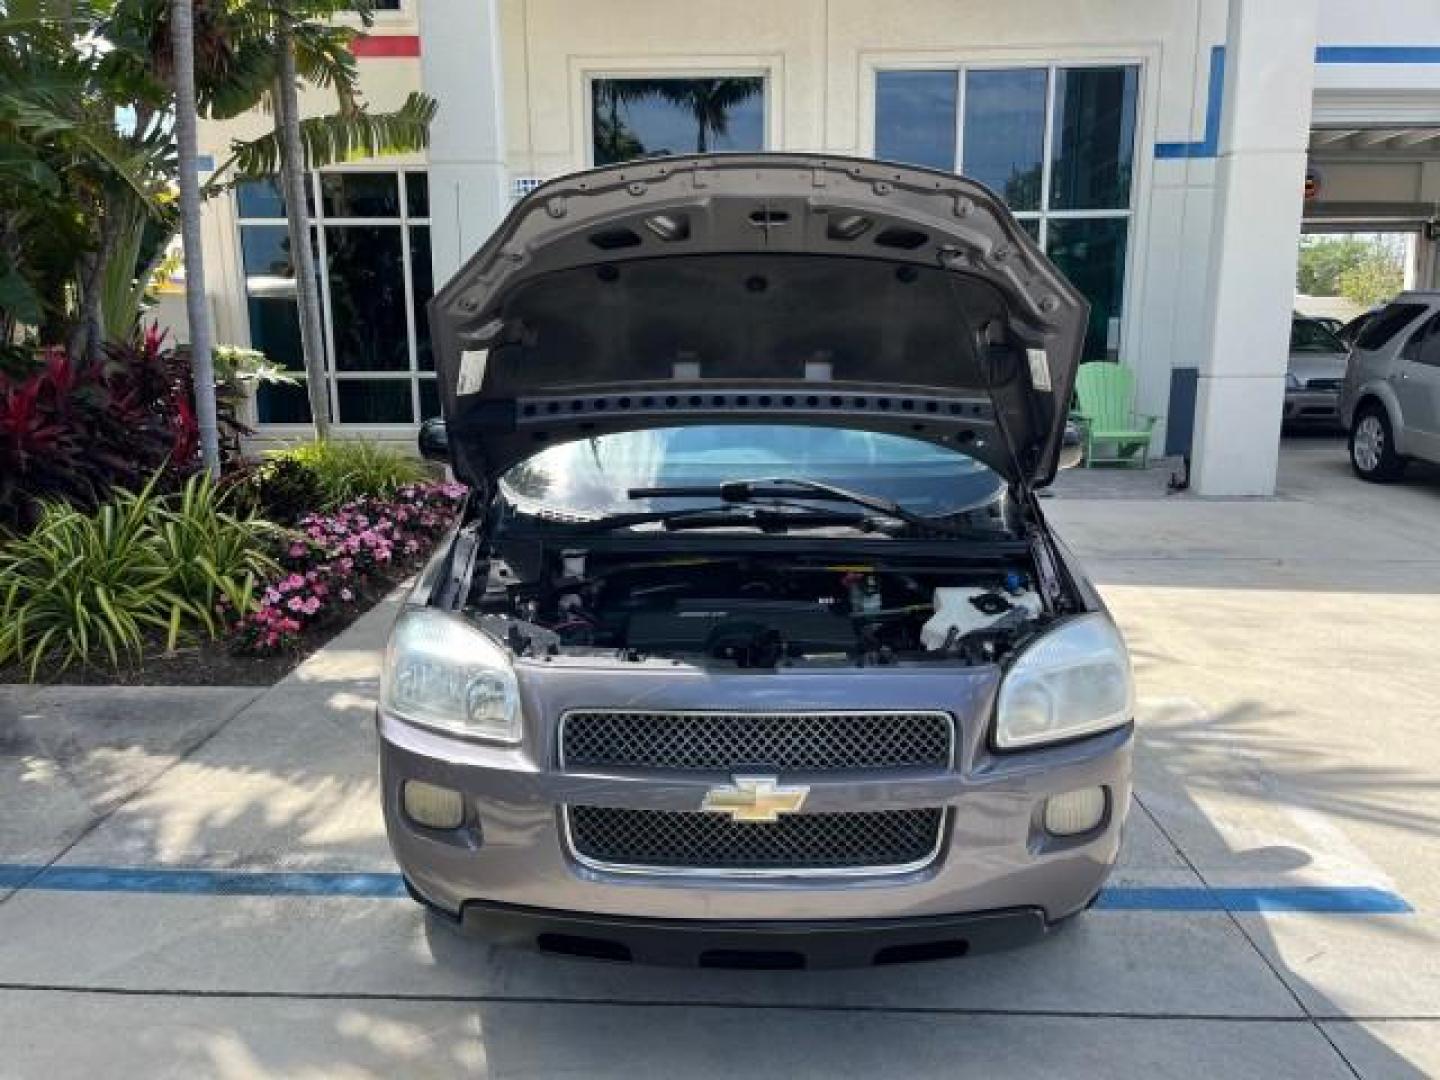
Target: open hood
(759, 288)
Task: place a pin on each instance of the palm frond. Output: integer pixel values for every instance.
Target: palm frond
(344, 136)
(249, 74)
(323, 56)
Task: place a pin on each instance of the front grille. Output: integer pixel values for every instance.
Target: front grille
(1324, 384)
(878, 841)
(780, 742)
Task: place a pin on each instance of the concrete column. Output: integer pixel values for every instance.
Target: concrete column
(1269, 76)
(460, 66)
(1421, 273)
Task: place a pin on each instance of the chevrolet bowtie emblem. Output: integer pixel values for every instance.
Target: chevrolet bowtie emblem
(755, 798)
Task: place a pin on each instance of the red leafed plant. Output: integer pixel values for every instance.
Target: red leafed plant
(75, 430)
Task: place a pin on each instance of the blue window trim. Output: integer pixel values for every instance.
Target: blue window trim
(1377, 54)
(1324, 54)
(1207, 146)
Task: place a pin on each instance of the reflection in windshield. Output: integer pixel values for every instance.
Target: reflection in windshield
(593, 476)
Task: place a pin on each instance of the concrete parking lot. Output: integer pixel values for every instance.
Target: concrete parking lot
(1276, 913)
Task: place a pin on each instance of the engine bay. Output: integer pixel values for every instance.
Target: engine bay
(757, 611)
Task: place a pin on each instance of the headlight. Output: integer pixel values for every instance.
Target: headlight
(443, 673)
(1073, 681)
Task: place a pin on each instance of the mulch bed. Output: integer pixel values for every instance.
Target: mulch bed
(211, 663)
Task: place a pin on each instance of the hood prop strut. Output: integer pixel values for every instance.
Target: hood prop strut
(1042, 548)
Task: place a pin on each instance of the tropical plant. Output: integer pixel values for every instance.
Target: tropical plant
(348, 469)
(237, 371)
(73, 429)
(280, 489)
(78, 195)
(80, 585)
(85, 588)
(215, 556)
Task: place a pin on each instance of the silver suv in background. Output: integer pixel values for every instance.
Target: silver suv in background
(1390, 400)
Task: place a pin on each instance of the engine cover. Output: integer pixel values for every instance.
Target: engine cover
(752, 632)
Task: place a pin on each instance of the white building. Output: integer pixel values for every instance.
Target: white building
(1164, 152)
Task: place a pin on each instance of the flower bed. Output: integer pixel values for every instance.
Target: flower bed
(334, 563)
(314, 578)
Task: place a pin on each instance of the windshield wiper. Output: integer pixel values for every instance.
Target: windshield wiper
(795, 487)
(778, 517)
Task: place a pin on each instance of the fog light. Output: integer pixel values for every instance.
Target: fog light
(1075, 812)
(432, 806)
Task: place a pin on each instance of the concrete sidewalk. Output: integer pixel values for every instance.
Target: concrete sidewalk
(1288, 693)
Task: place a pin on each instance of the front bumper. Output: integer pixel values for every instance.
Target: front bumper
(1312, 407)
(512, 854)
(758, 944)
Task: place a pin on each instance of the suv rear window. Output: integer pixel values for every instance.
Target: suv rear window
(1384, 326)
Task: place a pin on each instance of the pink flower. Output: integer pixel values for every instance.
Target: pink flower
(346, 595)
(295, 603)
(312, 605)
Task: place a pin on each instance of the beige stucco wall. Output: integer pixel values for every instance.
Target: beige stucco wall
(819, 57)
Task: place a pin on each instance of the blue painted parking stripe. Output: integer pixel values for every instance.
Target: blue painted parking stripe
(192, 882)
(1317, 899)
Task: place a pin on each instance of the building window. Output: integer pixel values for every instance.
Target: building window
(1056, 142)
(371, 235)
(642, 118)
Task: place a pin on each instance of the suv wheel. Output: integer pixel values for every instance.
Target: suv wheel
(1372, 446)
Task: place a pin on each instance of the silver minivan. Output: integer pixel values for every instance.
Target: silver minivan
(1390, 400)
(753, 647)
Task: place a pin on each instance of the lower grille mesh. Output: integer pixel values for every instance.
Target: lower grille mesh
(667, 838)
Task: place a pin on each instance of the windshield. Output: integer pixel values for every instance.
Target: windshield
(591, 477)
(1307, 335)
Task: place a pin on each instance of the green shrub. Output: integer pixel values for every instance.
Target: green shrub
(85, 587)
(215, 557)
(279, 489)
(348, 469)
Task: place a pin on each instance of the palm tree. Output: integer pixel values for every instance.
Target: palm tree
(308, 46)
(307, 292)
(182, 38)
(254, 54)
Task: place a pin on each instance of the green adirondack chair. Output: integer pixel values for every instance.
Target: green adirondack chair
(1105, 410)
